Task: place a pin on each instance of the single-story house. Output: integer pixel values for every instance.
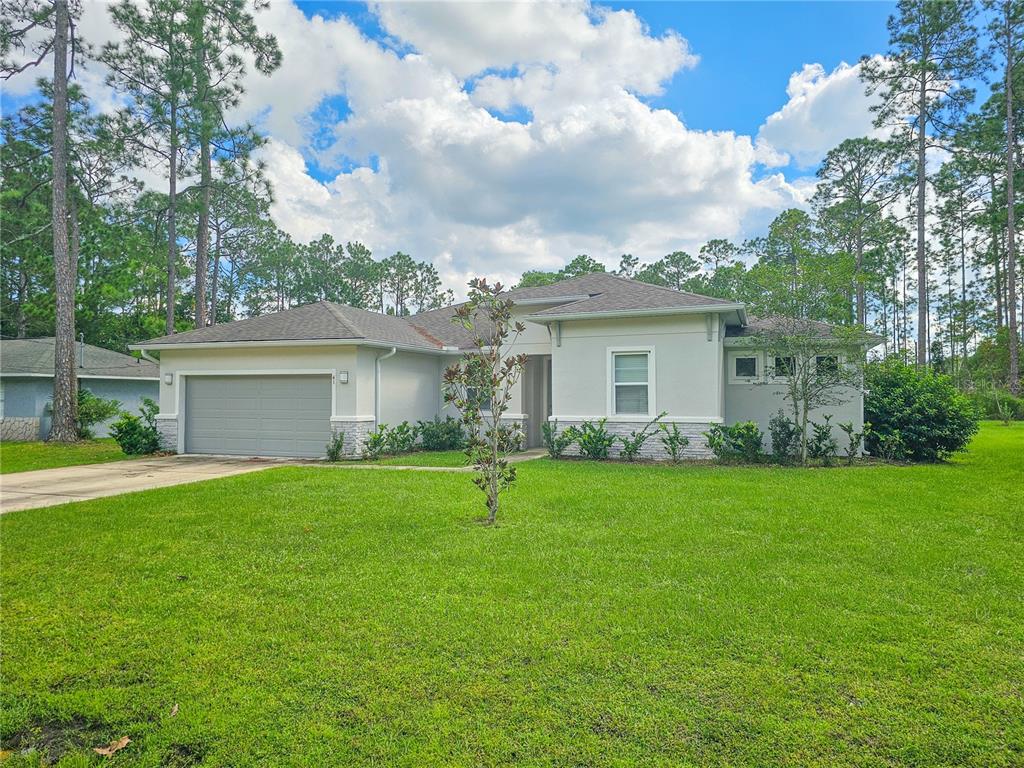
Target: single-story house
(26, 384)
(597, 346)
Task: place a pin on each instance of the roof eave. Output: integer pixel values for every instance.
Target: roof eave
(661, 311)
(867, 342)
(360, 342)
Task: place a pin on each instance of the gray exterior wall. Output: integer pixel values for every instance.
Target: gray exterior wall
(26, 416)
(760, 401)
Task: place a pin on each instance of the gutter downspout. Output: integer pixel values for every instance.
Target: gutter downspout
(146, 356)
(376, 385)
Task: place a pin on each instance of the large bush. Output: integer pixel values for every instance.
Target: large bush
(438, 435)
(931, 417)
(138, 436)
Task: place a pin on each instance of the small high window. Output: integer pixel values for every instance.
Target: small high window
(746, 367)
(826, 364)
(784, 366)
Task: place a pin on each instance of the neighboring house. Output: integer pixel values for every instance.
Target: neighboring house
(597, 346)
(26, 384)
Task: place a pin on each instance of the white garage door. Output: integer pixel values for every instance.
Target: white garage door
(258, 415)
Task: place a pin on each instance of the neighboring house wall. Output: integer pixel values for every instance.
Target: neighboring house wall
(25, 412)
(24, 408)
(685, 367)
(129, 393)
(760, 400)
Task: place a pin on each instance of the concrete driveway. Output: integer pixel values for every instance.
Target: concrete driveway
(46, 487)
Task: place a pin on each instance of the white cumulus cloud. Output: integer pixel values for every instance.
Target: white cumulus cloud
(824, 108)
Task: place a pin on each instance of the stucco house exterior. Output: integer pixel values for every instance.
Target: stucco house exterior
(597, 346)
(26, 384)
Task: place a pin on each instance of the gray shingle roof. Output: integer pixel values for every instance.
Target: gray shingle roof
(591, 293)
(757, 326)
(323, 320)
(612, 293)
(35, 356)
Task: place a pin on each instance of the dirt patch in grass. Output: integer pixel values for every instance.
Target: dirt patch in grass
(52, 739)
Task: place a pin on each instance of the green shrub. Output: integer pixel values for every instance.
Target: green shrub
(438, 435)
(138, 436)
(890, 446)
(557, 442)
(400, 439)
(822, 444)
(594, 440)
(933, 419)
(93, 410)
(785, 436)
(993, 403)
(739, 442)
(336, 448)
(674, 442)
(854, 439)
(631, 445)
(376, 442)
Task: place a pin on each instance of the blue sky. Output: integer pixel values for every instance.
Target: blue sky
(748, 50)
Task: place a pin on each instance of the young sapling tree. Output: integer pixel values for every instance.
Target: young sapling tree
(480, 386)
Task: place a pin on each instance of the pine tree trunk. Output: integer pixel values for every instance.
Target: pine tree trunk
(922, 267)
(172, 231)
(20, 320)
(203, 233)
(1011, 254)
(65, 384)
(216, 273)
(862, 314)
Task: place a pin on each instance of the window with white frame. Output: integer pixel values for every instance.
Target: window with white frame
(631, 383)
(744, 367)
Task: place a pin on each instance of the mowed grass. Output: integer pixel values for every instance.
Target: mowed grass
(618, 615)
(23, 457)
(424, 459)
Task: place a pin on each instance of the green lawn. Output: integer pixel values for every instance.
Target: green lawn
(425, 459)
(22, 457)
(618, 615)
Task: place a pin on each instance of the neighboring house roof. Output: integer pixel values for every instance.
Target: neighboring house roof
(322, 321)
(35, 357)
(762, 326)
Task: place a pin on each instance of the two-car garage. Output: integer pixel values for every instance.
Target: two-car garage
(258, 415)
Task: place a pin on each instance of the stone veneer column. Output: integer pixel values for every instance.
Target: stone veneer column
(355, 434)
(19, 428)
(168, 431)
